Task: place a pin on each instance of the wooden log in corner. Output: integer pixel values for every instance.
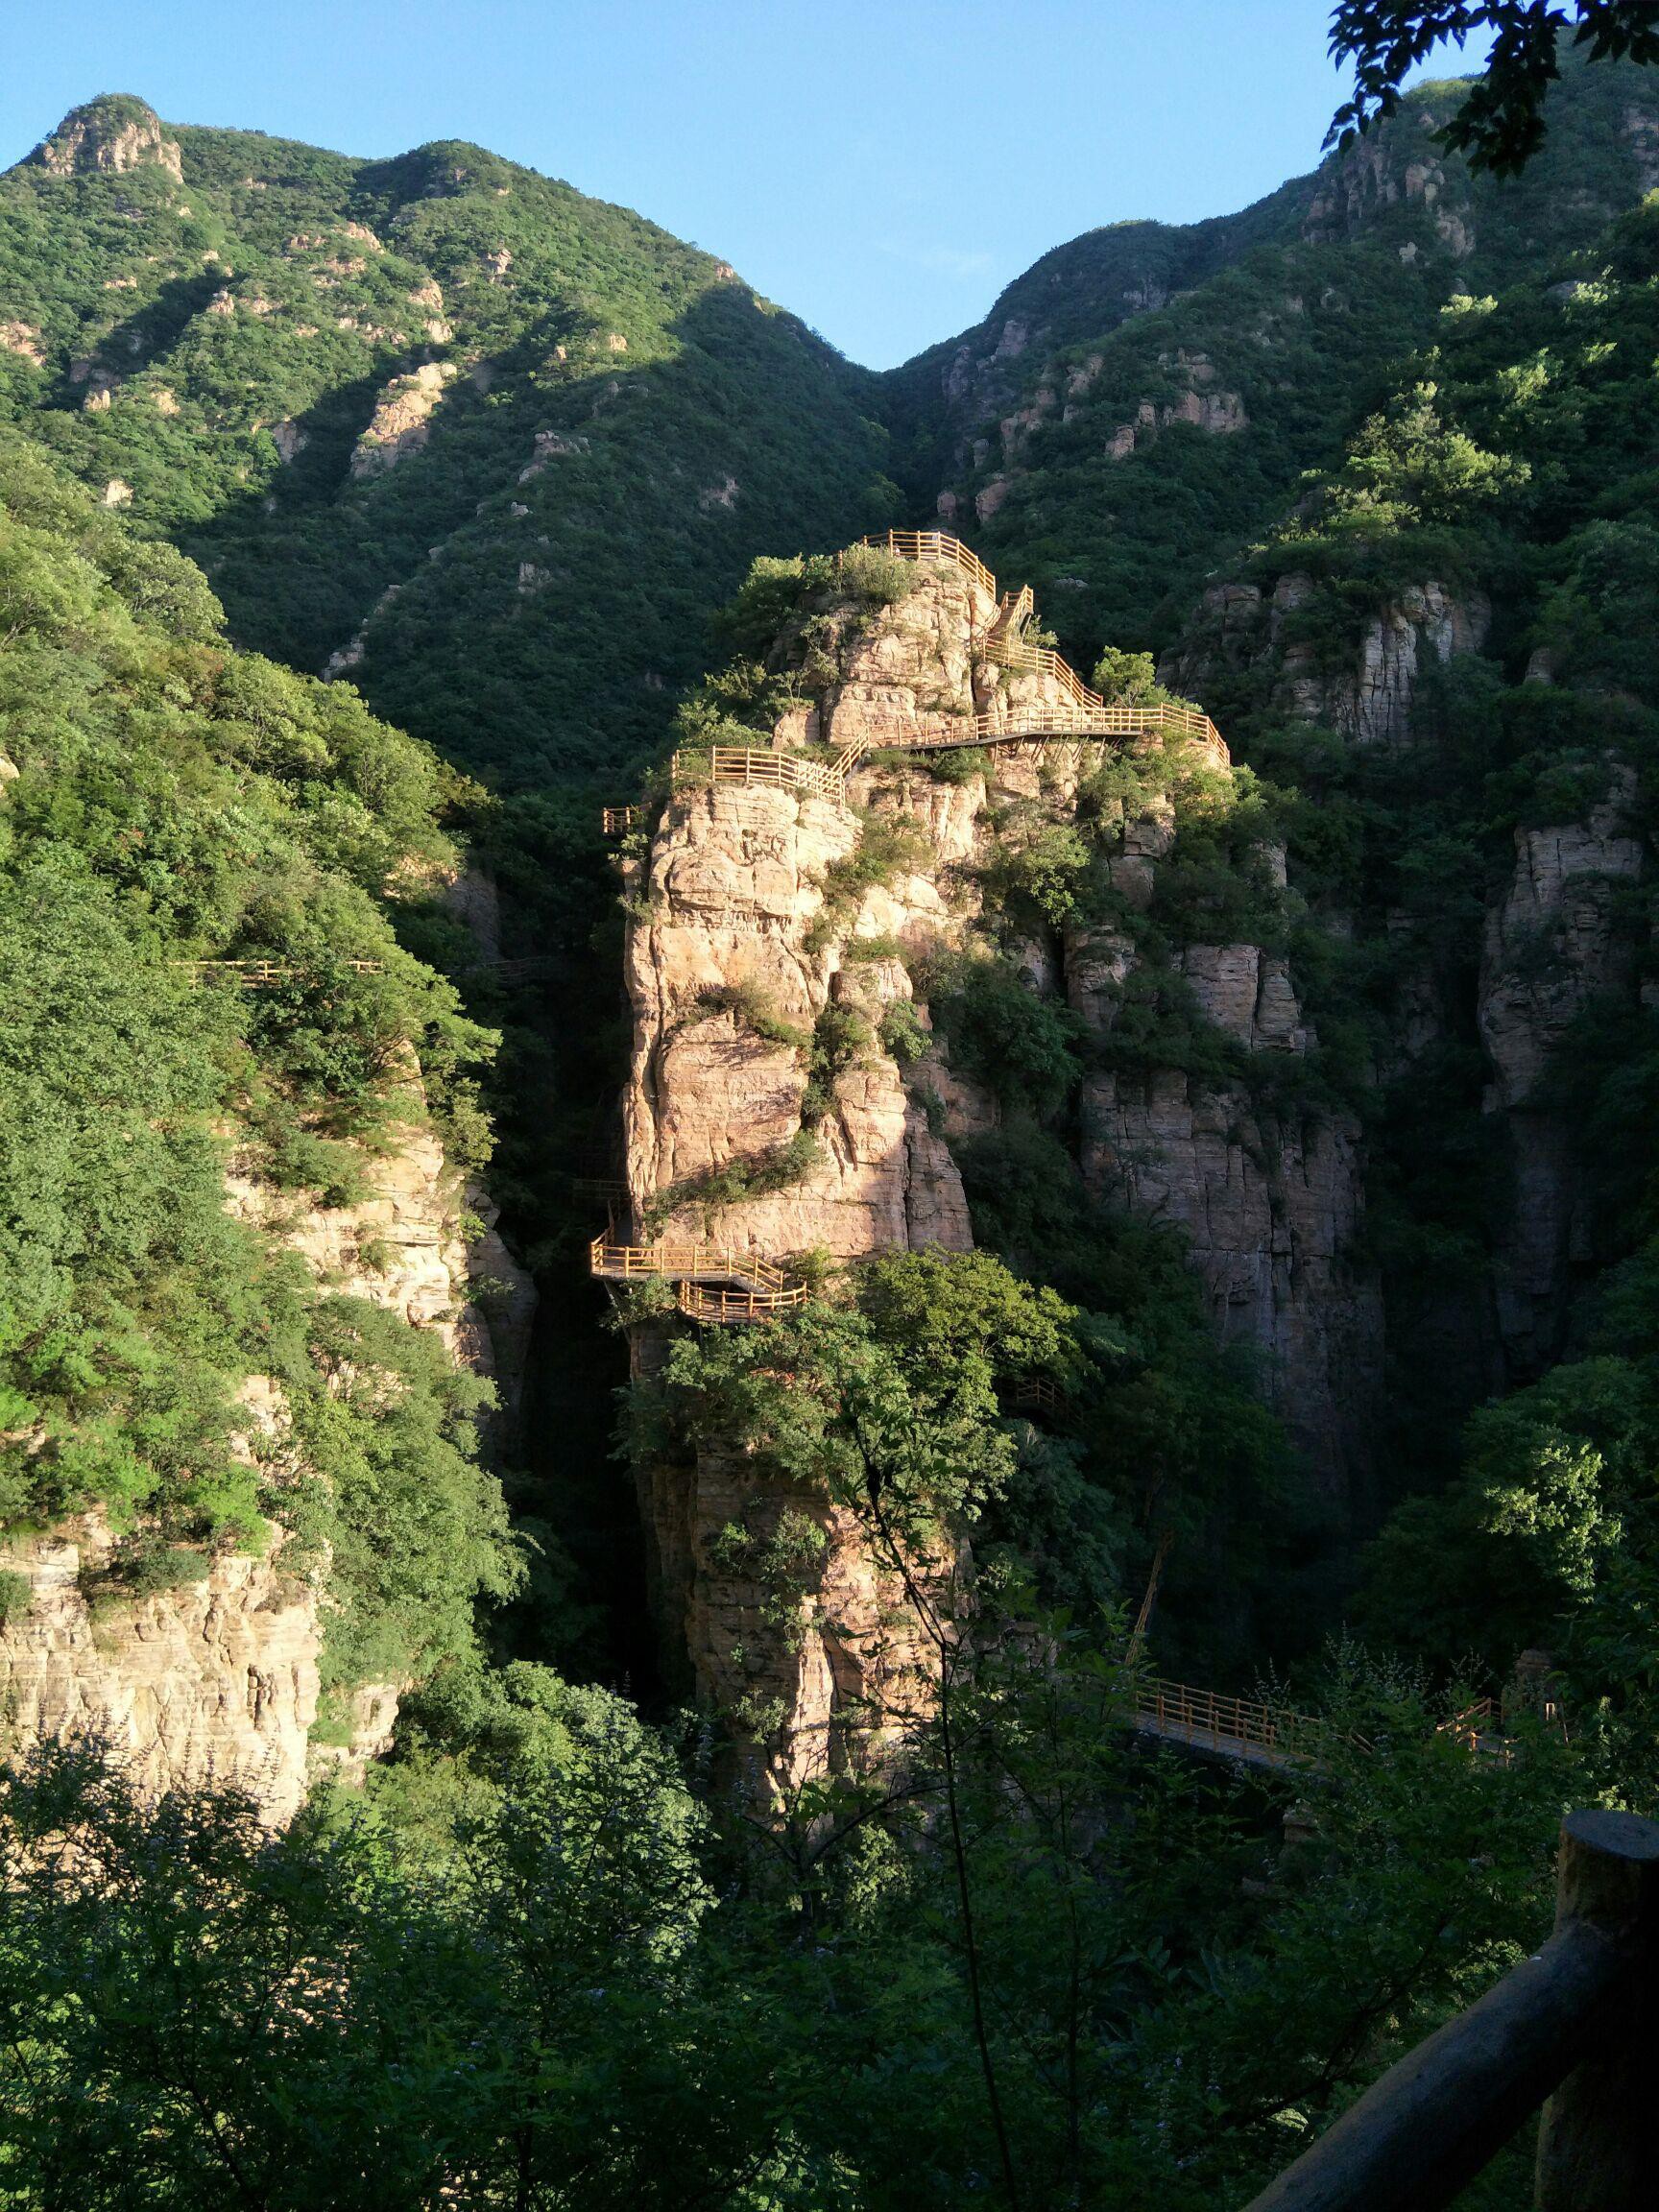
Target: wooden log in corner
(1599, 2142)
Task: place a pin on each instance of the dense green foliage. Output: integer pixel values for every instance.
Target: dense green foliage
(171, 800)
(1298, 311)
(625, 425)
(1513, 460)
(528, 1971)
(542, 1958)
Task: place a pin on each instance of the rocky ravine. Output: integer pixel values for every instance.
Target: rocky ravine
(724, 910)
(1550, 944)
(216, 1681)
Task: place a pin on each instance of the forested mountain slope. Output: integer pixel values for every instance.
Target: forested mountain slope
(229, 1259)
(497, 448)
(1146, 396)
(1440, 664)
(1365, 1011)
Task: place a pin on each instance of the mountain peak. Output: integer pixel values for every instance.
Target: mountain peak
(113, 133)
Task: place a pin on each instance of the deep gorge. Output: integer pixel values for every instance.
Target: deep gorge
(1047, 1168)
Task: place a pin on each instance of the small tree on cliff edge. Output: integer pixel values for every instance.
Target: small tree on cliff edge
(1501, 125)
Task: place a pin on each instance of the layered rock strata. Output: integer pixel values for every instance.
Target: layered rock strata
(215, 1681)
(210, 1683)
(738, 952)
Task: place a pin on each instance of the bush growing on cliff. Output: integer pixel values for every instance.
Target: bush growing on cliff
(1024, 1049)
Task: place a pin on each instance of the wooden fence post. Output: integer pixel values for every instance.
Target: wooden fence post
(1598, 2143)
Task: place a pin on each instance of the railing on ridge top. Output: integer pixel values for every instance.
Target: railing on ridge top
(758, 764)
(935, 545)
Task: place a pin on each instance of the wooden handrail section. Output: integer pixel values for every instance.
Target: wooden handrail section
(758, 764)
(617, 821)
(257, 974)
(1232, 1727)
(935, 545)
(717, 1282)
(1572, 2024)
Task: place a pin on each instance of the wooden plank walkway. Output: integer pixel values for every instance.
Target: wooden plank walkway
(714, 1282)
(1239, 1728)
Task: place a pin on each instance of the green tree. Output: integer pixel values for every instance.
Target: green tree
(1501, 124)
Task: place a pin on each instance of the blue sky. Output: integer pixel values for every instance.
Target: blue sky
(881, 169)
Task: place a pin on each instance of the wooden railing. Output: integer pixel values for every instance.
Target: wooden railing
(1009, 651)
(1236, 1727)
(258, 974)
(1573, 2024)
(1035, 1394)
(617, 821)
(1100, 721)
(755, 764)
(719, 1301)
(733, 1285)
(828, 778)
(1015, 612)
(1085, 713)
(936, 545)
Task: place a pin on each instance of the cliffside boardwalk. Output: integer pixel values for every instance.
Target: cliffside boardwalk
(719, 1285)
(714, 1282)
(1081, 713)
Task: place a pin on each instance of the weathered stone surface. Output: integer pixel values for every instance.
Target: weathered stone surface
(216, 1681)
(1550, 947)
(401, 421)
(400, 1246)
(732, 891)
(726, 903)
(93, 139)
(210, 1682)
(1272, 1216)
(23, 338)
(1369, 697)
(828, 1690)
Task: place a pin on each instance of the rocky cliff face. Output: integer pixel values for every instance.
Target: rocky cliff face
(111, 135)
(215, 1681)
(212, 1682)
(1366, 687)
(1550, 946)
(402, 1245)
(736, 957)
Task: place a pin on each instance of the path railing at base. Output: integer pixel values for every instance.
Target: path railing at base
(1575, 2024)
(719, 1301)
(258, 974)
(1035, 1394)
